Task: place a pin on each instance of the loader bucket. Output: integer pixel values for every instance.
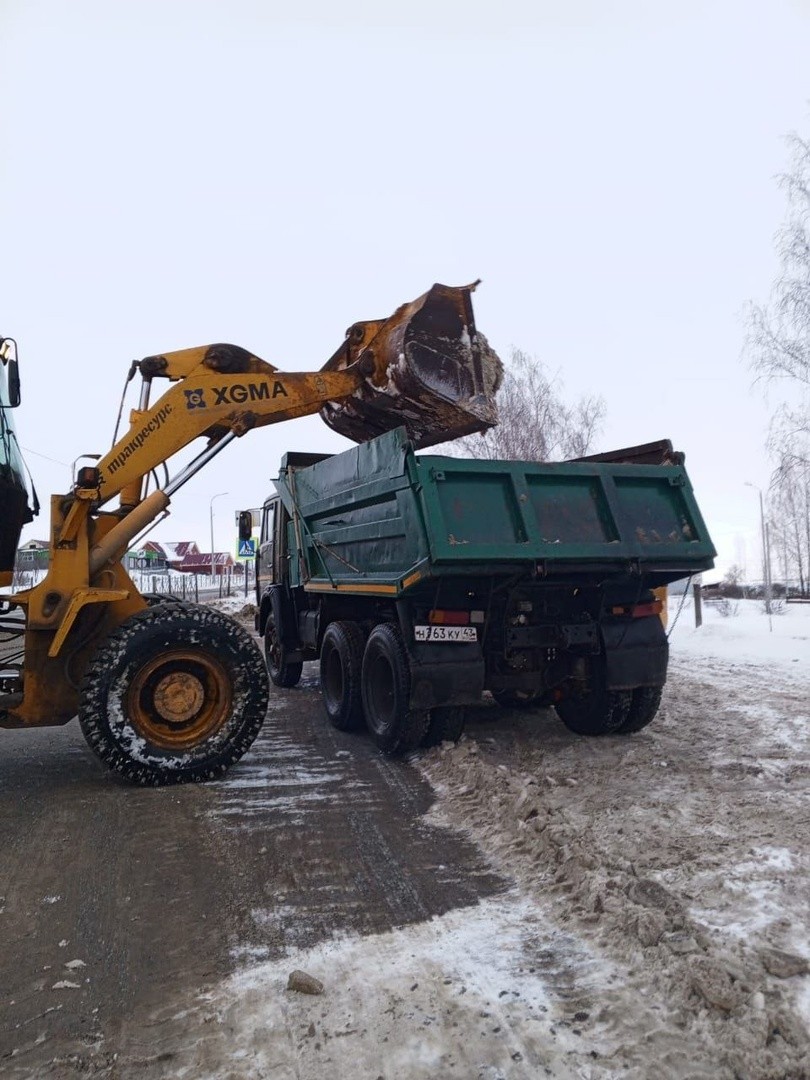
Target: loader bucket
(426, 369)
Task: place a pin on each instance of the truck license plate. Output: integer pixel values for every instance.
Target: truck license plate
(445, 633)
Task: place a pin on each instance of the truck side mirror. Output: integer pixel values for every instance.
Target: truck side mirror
(245, 524)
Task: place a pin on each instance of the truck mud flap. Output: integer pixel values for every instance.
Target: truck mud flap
(451, 680)
(283, 612)
(441, 674)
(636, 653)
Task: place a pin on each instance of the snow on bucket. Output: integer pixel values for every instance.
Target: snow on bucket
(428, 370)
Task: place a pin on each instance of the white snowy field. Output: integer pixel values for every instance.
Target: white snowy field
(655, 920)
(745, 633)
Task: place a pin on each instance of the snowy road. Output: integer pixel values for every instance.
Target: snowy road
(118, 904)
(624, 907)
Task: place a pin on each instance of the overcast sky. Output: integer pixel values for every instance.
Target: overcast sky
(177, 173)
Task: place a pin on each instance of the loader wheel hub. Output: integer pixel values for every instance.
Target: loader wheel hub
(179, 699)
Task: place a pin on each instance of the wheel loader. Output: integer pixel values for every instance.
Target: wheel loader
(175, 692)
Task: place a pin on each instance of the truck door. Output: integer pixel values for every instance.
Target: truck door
(265, 561)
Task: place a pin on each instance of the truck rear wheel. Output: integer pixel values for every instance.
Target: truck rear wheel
(341, 672)
(282, 672)
(643, 708)
(176, 693)
(446, 725)
(386, 686)
(600, 712)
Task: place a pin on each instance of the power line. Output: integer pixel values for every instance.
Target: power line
(36, 453)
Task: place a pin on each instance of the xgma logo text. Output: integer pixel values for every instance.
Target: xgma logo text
(237, 394)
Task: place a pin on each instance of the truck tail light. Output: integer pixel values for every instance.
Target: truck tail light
(441, 617)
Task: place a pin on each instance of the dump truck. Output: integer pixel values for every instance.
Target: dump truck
(420, 581)
(174, 692)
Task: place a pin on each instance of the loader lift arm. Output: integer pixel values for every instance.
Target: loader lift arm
(159, 700)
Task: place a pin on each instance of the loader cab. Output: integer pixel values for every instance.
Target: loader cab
(18, 503)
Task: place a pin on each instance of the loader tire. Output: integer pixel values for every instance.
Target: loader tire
(600, 712)
(283, 672)
(446, 725)
(386, 687)
(341, 672)
(643, 708)
(155, 598)
(176, 693)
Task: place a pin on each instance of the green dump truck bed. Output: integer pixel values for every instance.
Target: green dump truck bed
(379, 517)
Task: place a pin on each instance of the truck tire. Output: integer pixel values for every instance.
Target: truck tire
(601, 712)
(341, 673)
(643, 707)
(283, 672)
(446, 725)
(386, 686)
(176, 693)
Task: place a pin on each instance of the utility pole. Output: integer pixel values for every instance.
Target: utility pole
(211, 518)
(766, 556)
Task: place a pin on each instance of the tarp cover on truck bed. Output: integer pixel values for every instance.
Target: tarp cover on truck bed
(378, 513)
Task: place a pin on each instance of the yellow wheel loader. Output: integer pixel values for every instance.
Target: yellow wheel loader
(176, 692)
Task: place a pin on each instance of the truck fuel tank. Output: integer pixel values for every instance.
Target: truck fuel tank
(428, 369)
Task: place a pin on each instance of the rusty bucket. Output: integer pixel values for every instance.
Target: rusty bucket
(426, 368)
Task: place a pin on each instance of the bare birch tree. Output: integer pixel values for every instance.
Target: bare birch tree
(535, 423)
(778, 350)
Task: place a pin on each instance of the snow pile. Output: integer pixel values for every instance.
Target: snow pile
(234, 606)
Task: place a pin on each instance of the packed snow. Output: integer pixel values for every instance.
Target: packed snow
(655, 921)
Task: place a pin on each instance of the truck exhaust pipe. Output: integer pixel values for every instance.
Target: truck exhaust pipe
(429, 370)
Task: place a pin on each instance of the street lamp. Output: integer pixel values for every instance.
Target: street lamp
(211, 517)
(766, 553)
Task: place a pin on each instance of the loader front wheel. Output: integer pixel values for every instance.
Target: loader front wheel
(176, 693)
(386, 687)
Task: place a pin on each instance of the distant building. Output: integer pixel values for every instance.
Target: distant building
(200, 563)
(182, 557)
(160, 558)
(33, 555)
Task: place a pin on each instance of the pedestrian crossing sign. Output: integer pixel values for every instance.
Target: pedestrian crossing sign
(247, 549)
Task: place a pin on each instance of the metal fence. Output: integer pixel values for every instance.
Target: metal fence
(196, 587)
(192, 587)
